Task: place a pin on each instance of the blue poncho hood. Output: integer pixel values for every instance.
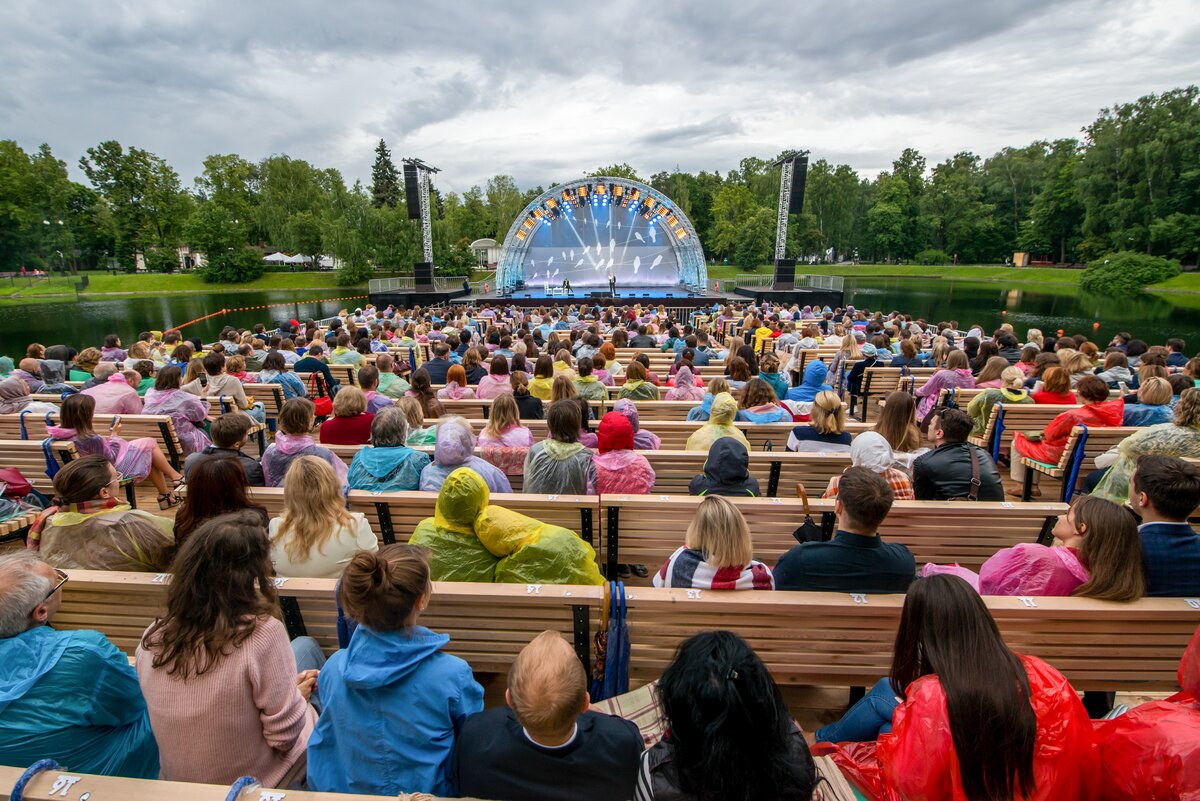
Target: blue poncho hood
(378, 659)
(812, 385)
(381, 462)
(25, 659)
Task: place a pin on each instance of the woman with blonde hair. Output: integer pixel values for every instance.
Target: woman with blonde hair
(417, 433)
(85, 362)
(717, 554)
(1034, 337)
(315, 537)
(1010, 390)
(826, 433)
(1076, 363)
(1153, 404)
(849, 350)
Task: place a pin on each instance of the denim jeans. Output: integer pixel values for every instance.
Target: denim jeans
(866, 720)
(309, 656)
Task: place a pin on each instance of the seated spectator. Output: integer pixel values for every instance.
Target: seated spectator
(1010, 390)
(15, 398)
(731, 735)
(1165, 491)
(112, 351)
(637, 385)
(30, 371)
(857, 559)
(455, 448)
(114, 395)
(871, 450)
(1100, 556)
(587, 438)
(1116, 371)
(991, 376)
(496, 381)
(89, 527)
(368, 380)
(387, 464)
(84, 365)
(1098, 411)
(421, 390)
(392, 702)
(541, 386)
(529, 407)
(313, 362)
(1153, 405)
(222, 385)
(726, 472)
(897, 424)
(350, 423)
(826, 433)
(955, 468)
(717, 553)
(719, 424)
(854, 378)
(293, 439)
(759, 405)
(1056, 387)
(939, 728)
(217, 486)
(456, 385)
(274, 371)
(229, 432)
(737, 372)
(643, 440)
(70, 696)
(1181, 438)
(955, 375)
(227, 693)
(545, 743)
(418, 433)
(620, 470)
(469, 540)
(586, 383)
(315, 537)
(343, 353)
(560, 464)
(187, 412)
(390, 381)
(768, 370)
(685, 388)
(715, 387)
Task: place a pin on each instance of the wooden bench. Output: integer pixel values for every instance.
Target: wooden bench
(935, 531)
(1084, 444)
(28, 457)
(159, 427)
(1008, 418)
(15, 528)
(804, 638)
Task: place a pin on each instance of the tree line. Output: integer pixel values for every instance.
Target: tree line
(1131, 182)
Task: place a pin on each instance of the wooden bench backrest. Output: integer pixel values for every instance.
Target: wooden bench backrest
(935, 531)
(28, 457)
(158, 427)
(804, 638)
(1017, 417)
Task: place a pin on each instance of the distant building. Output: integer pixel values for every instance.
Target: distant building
(487, 252)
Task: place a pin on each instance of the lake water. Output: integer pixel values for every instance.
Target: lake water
(1150, 317)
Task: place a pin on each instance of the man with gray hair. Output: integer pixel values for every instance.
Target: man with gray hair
(388, 465)
(70, 696)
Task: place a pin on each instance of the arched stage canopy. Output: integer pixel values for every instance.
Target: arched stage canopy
(587, 229)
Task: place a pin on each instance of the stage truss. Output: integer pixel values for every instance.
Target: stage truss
(619, 192)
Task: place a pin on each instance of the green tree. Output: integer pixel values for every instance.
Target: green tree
(622, 170)
(213, 230)
(1125, 272)
(755, 243)
(385, 181)
(955, 214)
(1056, 213)
(504, 204)
(832, 197)
(732, 209)
(233, 182)
(886, 218)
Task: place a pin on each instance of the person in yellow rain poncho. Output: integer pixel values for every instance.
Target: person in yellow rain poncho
(469, 540)
(720, 424)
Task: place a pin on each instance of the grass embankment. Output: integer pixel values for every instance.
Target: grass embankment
(971, 272)
(102, 285)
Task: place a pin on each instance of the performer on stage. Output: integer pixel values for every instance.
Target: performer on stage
(612, 283)
(567, 286)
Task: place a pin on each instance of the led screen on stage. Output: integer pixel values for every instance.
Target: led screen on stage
(587, 243)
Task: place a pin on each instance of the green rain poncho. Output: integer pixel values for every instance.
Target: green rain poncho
(720, 424)
(472, 541)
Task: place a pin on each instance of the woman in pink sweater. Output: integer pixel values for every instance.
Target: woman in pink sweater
(225, 700)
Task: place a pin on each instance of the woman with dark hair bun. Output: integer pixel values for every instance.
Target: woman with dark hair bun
(729, 736)
(392, 702)
(964, 718)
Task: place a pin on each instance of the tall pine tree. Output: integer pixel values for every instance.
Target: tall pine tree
(385, 181)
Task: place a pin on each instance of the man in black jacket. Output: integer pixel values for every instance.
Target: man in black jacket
(642, 340)
(312, 363)
(546, 744)
(1009, 348)
(949, 470)
(440, 364)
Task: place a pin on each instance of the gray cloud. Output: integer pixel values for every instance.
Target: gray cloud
(546, 92)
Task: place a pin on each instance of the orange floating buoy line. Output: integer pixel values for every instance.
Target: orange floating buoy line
(263, 306)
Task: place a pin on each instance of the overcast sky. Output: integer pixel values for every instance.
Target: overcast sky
(545, 91)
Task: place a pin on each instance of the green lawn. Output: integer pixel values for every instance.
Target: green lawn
(101, 283)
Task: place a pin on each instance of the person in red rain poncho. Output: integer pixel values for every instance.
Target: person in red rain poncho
(974, 721)
(1152, 752)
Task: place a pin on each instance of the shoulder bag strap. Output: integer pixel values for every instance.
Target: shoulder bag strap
(975, 482)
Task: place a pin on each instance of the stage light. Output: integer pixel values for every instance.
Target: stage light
(681, 233)
(520, 235)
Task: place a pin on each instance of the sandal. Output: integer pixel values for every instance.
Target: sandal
(167, 500)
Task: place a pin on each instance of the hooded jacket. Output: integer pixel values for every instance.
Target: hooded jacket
(455, 448)
(472, 541)
(619, 468)
(392, 469)
(1109, 413)
(73, 697)
(726, 472)
(642, 440)
(287, 448)
(813, 384)
(392, 704)
(720, 424)
(980, 407)
(685, 388)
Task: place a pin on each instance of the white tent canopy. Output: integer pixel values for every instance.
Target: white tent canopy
(299, 258)
(276, 258)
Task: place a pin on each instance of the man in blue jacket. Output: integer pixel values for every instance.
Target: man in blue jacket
(70, 696)
(1165, 491)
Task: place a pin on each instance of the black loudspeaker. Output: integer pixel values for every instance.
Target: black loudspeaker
(799, 177)
(785, 274)
(412, 192)
(423, 276)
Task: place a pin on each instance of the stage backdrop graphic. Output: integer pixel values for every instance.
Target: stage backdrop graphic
(592, 228)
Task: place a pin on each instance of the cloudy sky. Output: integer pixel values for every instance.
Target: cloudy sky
(545, 91)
